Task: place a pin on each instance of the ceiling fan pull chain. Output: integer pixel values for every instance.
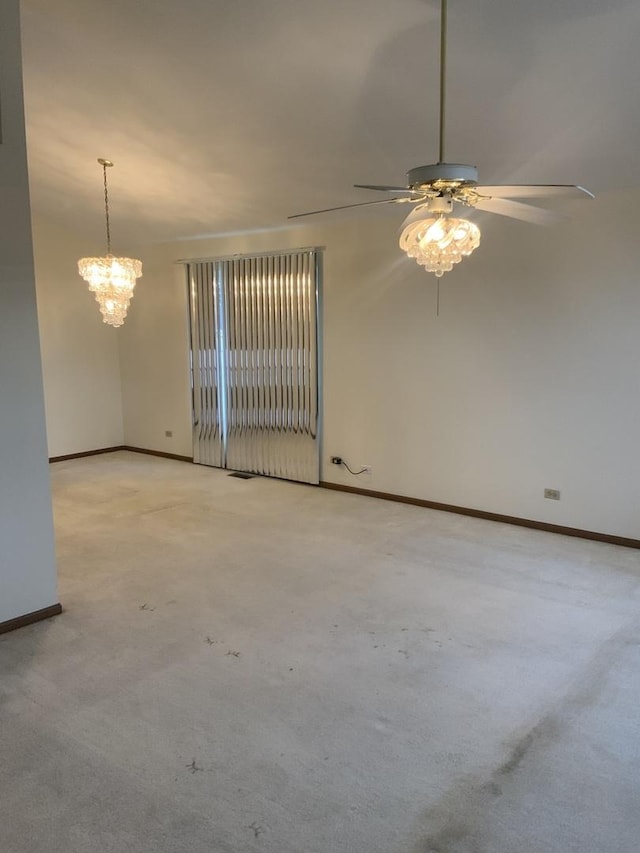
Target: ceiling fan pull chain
(443, 69)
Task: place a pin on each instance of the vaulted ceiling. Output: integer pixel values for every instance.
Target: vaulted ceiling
(228, 115)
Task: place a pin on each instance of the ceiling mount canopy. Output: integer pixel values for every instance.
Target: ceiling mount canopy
(111, 279)
(431, 234)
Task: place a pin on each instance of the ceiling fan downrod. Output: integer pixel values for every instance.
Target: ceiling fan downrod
(443, 72)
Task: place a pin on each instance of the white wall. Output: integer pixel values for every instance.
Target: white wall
(80, 360)
(27, 562)
(528, 378)
(154, 358)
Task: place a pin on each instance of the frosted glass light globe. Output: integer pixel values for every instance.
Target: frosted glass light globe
(439, 242)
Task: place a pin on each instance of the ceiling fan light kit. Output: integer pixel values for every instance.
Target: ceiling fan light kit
(111, 279)
(431, 234)
(437, 243)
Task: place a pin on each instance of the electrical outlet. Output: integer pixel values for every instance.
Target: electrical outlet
(336, 460)
(168, 433)
(552, 494)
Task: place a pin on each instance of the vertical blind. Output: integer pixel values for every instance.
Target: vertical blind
(254, 362)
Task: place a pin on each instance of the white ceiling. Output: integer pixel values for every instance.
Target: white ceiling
(228, 115)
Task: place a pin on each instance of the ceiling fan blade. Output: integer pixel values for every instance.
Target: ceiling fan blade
(518, 210)
(532, 190)
(346, 206)
(385, 189)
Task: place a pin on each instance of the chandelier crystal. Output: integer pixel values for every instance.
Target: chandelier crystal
(111, 279)
(438, 242)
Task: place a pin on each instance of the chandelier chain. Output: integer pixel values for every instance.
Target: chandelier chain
(112, 280)
(106, 208)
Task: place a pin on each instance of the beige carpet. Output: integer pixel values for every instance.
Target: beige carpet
(255, 665)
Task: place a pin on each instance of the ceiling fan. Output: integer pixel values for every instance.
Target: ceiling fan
(430, 234)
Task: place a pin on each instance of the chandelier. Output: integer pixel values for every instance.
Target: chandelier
(111, 279)
(437, 242)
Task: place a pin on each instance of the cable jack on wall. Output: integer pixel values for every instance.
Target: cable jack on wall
(338, 460)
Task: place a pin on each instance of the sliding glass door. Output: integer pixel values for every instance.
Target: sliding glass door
(254, 363)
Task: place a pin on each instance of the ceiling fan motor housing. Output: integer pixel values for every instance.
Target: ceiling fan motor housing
(442, 176)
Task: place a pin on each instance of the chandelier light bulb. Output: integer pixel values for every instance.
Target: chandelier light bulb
(111, 279)
(434, 233)
(438, 242)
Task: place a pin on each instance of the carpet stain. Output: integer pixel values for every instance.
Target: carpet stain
(452, 840)
(194, 768)
(547, 728)
(257, 829)
(233, 654)
(459, 818)
(460, 821)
